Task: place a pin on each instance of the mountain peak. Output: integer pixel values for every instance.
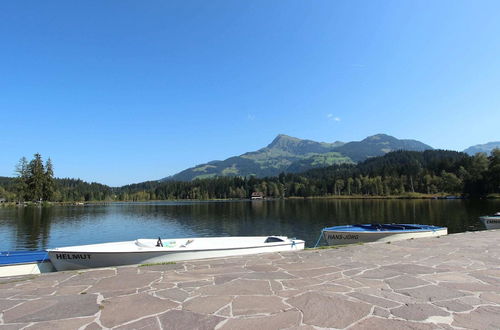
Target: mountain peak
(378, 137)
(282, 140)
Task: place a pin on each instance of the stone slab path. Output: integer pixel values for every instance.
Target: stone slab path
(451, 282)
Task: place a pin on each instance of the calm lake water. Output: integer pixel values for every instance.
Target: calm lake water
(32, 228)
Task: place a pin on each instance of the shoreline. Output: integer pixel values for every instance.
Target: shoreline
(413, 196)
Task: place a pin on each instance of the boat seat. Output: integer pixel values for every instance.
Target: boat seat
(148, 243)
(142, 243)
(189, 241)
(273, 239)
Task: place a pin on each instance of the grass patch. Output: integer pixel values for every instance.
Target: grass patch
(158, 264)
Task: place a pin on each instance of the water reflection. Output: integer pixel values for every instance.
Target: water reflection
(40, 228)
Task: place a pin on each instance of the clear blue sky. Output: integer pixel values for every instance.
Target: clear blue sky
(119, 92)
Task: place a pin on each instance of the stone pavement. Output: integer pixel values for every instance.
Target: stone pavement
(451, 282)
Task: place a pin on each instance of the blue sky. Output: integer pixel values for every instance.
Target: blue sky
(119, 92)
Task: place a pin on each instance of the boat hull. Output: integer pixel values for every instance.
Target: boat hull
(15, 263)
(339, 237)
(33, 268)
(491, 222)
(94, 256)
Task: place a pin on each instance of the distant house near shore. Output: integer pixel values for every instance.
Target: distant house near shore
(257, 195)
(2, 200)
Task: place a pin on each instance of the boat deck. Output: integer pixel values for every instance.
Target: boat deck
(383, 227)
(430, 283)
(22, 257)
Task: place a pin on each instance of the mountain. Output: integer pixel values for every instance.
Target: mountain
(378, 145)
(293, 155)
(281, 153)
(486, 148)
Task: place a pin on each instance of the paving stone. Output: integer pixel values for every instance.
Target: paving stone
(6, 304)
(301, 283)
(454, 305)
(381, 312)
(173, 294)
(431, 293)
(371, 283)
(267, 276)
(248, 305)
(302, 327)
(162, 285)
(124, 282)
(329, 288)
(160, 267)
(238, 287)
(283, 320)
(119, 310)
(315, 272)
(450, 277)
(262, 268)
(35, 293)
(382, 302)
(73, 323)
(206, 305)
(300, 265)
(405, 281)
(388, 324)
(275, 285)
(221, 279)
(411, 269)
(52, 308)
(224, 312)
(471, 287)
(289, 293)
(65, 290)
(93, 326)
(380, 273)
(329, 311)
(491, 297)
(149, 323)
(349, 283)
(388, 294)
(484, 317)
(14, 326)
(194, 284)
(182, 320)
(417, 312)
(88, 277)
(217, 271)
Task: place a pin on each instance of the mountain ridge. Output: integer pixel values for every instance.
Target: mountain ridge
(290, 154)
(486, 148)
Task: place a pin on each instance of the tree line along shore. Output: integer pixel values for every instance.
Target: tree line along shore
(398, 174)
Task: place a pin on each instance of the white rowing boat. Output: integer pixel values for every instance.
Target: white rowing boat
(143, 251)
(491, 221)
(350, 234)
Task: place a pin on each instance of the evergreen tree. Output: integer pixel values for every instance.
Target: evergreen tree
(36, 178)
(21, 185)
(48, 183)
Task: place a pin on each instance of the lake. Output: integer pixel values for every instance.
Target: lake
(35, 228)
